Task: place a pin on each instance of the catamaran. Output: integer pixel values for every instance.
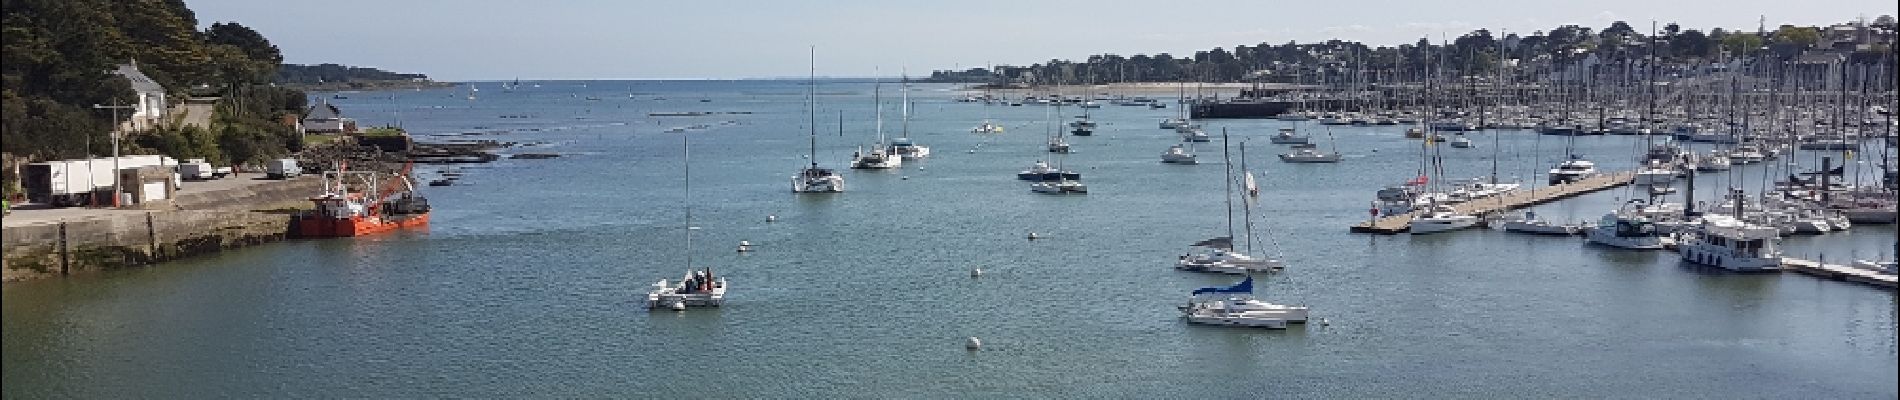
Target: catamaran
(902, 145)
(879, 156)
(815, 179)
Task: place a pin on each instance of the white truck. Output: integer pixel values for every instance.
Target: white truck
(282, 168)
(197, 169)
(72, 182)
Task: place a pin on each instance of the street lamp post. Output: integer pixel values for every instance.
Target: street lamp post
(115, 148)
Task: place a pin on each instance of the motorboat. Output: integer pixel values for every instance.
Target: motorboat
(1442, 218)
(1728, 243)
(1288, 136)
(1571, 170)
(1178, 154)
(1309, 155)
(1172, 123)
(1531, 223)
(1627, 227)
(696, 289)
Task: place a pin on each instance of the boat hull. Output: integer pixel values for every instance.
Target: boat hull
(320, 226)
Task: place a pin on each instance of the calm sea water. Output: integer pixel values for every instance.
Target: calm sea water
(529, 283)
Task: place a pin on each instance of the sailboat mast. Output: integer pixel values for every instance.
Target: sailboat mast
(811, 104)
(686, 159)
(877, 99)
(1246, 206)
(906, 106)
(1229, 163)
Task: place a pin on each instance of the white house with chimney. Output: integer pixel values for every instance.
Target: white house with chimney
(150, 107)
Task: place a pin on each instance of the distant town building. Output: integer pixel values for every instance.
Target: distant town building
(150, 108)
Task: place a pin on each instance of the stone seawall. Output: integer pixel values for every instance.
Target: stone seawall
(202, 223)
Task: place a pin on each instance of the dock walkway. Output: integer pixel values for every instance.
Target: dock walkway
(1839, 272)
(1508, 201)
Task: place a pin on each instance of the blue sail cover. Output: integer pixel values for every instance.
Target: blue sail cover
(1245, 286)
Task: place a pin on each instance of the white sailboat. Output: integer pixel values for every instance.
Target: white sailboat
(815, 179)
(1219, 255)
(1235, 306)
(902, 145)
(1179, 154)
(699, 288)
(879, 156)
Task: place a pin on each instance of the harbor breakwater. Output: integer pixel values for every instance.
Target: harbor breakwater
(194, 223)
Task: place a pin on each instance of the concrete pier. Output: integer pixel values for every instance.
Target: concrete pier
(1515, 199)
(210, 218)
(1839, 272)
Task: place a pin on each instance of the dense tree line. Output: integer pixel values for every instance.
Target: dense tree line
(333, 73)
(1479, 51)
(54, 61)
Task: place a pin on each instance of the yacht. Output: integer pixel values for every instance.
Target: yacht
(1227, 261)
(877, 158)
(1194, 134)
(1292, 314)
(1309, 155)
(880, 156)
(1235, 307)
(1656, 173)
(1057, 145)
(1178, 154)
(987, 127)
(1746, 154)
(1574, 169)
(902, 145)
(908, 150)
(1715, 161)
(699, 288)
(1627, 227)
(1059, 186)
(815, 179)
(1042, 171)
(1530, 223)
(1732, 244)
(1460, 141)
(696, 289)
(1288, 136)
(1442, 218)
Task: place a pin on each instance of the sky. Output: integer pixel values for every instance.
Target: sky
(460, 40)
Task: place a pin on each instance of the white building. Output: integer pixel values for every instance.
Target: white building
(325, 118)
(150, 107)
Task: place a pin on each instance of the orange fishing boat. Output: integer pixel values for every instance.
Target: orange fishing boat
(357, 203)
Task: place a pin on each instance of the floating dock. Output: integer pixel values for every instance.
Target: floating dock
(1839, 272)
(1508, 201)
